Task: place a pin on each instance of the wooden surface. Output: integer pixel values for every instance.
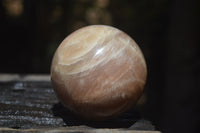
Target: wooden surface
(29, 104)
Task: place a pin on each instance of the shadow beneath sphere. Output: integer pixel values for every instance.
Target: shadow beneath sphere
(126, 120)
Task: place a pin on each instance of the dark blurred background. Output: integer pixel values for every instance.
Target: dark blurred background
(166, 30)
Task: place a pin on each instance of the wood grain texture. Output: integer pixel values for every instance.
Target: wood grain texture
(30, 105)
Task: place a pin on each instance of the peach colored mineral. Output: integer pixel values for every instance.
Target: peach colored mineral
(98, 72)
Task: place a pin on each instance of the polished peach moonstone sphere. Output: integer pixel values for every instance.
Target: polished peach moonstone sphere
(98, 72)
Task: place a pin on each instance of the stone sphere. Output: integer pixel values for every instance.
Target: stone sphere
(98, 72)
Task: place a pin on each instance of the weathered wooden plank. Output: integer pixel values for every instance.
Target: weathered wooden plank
(72, 130)
(29, 104)
(24, 77)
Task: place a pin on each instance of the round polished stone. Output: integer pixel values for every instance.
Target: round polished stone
(98, 72)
